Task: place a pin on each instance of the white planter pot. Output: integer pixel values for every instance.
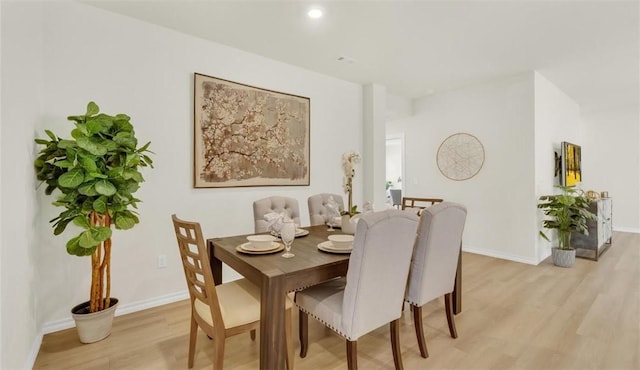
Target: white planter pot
(93, 327)
(349, 224)
(563, 257)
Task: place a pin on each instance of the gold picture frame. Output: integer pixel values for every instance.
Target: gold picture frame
(249, 136)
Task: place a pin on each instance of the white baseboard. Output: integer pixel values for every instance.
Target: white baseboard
(504, 256)
(35, 348)
(627, 230)
(122, 309)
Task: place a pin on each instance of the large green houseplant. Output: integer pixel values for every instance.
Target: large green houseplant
(566, 213)
(97, 173)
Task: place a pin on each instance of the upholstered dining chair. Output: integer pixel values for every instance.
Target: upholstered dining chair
(221, 310)
(434, 263)
(371, 294)
(396, 197)
(276, 204)
(318, 207)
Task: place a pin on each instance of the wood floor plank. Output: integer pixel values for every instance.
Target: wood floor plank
(515, 316)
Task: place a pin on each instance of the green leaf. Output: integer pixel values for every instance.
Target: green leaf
(104, 187)
(64, 144)
(144, 147)
(42, 141)
(78, 119)
(71, 179)
(126, 139)
(86, 240)
(90, 145)
(123, 123)
(63, 164)
(94, 126)
(98, 175)
(88, 163)
(82, 221)
(124, 222)
(77, 133)
(133, 174)
(51, 135)
(100, 233)
(73, 246)
(100, 204)
(88, 189)
(61, 226)
(92, 108)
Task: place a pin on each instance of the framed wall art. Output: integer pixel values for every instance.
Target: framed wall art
(248, 136)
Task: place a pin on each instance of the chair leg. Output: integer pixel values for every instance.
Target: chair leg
(303, 331)
(218, 360)
(352, 354)
(252, 334)
(288, 338)
(448, 306)
(395, 343)
(417, 322)
(193, 336)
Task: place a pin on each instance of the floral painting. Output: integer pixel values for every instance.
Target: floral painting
(247, 136)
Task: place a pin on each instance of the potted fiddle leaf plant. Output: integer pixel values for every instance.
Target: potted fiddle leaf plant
(566, 213)
(96, 173)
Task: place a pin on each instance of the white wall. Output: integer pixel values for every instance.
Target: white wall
(499, 198)
(21, 103)
(611, 157)
(145, 71)
(557, 119)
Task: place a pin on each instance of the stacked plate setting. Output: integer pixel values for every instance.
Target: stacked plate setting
(260, 244)
(337, 244)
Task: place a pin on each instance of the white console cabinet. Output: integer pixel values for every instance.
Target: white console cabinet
(600, 231)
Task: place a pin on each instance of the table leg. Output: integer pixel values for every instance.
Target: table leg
(272, 324)
(216, 267)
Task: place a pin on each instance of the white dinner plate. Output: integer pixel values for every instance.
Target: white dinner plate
(249, 248)
(327, 246)
(299, 233)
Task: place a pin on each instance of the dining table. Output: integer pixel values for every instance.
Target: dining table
(276, 276)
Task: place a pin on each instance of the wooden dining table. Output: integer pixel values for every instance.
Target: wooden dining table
(276, 276)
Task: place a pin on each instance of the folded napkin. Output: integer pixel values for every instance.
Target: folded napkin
(333, 209)
(275, 220)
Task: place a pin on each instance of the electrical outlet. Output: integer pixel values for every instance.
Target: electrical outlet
(162, 261)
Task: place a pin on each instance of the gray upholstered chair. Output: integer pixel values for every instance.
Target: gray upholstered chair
(372, 293)
(318, 207)
(220, 310)
(274, 204)
(434, 263)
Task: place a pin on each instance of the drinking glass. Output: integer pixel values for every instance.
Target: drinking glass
(287, 234)
(328, 219)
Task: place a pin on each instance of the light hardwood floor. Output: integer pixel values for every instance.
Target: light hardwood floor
(515, 316)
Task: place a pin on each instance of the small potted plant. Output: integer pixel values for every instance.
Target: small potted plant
(96, 172)
(567, 213)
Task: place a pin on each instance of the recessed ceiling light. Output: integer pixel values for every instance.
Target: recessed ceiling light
(315, 13)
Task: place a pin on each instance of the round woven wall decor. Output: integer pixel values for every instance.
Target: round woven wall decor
(460, 156)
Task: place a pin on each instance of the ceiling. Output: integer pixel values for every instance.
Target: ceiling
(590, 50)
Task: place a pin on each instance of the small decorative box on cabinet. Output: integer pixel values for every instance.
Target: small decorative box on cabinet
(600, 230)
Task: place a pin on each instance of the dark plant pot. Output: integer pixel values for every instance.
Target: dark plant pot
(563, 257)
(93, 327)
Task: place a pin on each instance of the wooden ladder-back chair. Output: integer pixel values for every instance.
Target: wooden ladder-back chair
(434, 264)
(221, 310)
